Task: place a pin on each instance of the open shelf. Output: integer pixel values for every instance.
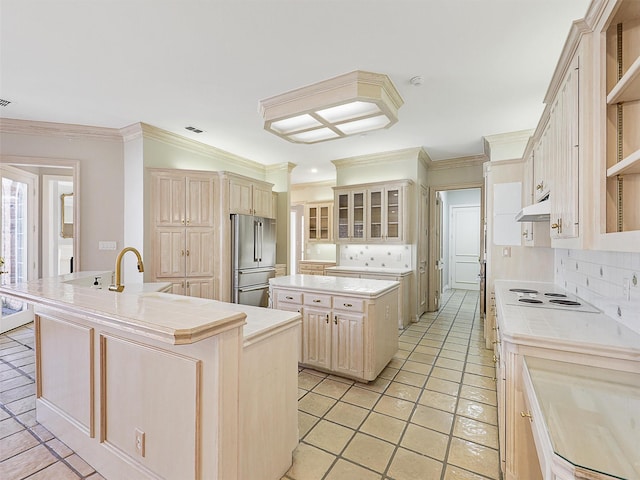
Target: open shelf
(627, 166)
(628, 87)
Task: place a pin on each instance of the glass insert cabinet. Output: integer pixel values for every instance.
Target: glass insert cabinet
(320, 222)
(371, 213)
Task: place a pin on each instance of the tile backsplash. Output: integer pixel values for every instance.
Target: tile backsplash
(378, 256)
(608, 280)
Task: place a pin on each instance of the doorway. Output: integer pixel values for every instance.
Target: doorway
(18, 242)
(455, 239)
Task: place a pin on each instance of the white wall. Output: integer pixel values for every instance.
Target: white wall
(603, 279)
(101, 192)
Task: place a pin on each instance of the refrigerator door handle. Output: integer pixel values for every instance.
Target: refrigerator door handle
(261, 240)
(253, 288)
(255, 241)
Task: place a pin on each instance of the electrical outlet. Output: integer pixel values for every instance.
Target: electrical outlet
(140, 442)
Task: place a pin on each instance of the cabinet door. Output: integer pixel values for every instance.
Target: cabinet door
(312, 222)
(199, 252)
(324, 231)
(199, 202)
(290, 307)
(540, 181)
(170, 252)
(342, 216)
(358, 216)
(177, 287)
(169, 200)
(316, 349)
(393, 214)
(262, 201)
(240, 198)
(200, 287)
(348, 344)
(376, 212)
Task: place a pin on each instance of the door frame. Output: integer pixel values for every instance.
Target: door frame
(62, 163)
(432, 298)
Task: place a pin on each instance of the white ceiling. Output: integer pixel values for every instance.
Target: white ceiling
(169, 63)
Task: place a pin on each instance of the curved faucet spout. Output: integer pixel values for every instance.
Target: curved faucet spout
(118, 287)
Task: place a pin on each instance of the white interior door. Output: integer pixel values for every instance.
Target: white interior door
(18, 241)
(465, 247)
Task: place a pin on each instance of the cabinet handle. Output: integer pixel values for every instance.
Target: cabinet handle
(182, 221)
(188, 285)
(348, 305)
(316, 300)
(495, 359)
(496, 341)
(526, 415)
(540, 186)
(335, 319)
(327, 319)
(187, 253)
(182, 253)
(525, 233)
(557, 225)
(188, 221)
(289, 297)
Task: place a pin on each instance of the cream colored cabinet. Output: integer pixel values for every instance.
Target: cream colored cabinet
(350, 215)
(290, 302)
(250, 197)
(619, 123)
(384, 214)
(541, 163)
(183, 232)
(564, 157)
(349, 335)
(319, 222)
(311, 267)
(371, 213)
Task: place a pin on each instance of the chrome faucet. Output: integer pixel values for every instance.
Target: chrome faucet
(118, 287)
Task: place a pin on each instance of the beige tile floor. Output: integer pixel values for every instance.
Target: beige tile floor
(431, 414)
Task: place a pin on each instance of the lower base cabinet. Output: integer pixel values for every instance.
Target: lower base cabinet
(351, 336)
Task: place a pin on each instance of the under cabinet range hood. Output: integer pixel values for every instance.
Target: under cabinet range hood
(538, 212)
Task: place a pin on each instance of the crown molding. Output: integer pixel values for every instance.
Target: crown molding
(30, 127)
(374, 158)
(170, 138)
(460, 162)
(276, 167)
(322, 183)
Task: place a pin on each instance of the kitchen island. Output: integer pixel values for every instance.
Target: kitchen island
(349, 325)
(144, 384)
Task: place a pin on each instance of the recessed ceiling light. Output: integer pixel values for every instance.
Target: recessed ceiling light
(314, 170)
(194, 129)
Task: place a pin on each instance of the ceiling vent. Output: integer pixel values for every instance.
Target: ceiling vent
(4, 103)
(194, 129)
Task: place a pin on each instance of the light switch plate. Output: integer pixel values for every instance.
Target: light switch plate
(104, 245)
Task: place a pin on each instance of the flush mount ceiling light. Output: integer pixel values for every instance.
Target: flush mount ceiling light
(345, 105)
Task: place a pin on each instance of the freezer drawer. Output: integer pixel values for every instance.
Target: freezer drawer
(257, 295)
(255, 276)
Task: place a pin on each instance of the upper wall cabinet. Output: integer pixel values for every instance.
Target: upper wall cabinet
(250, 197)
(371, 213)
(319, 222)
(183, 200)
(621, 125)
(562, 146)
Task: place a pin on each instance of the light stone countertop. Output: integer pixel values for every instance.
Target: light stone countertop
(363, 287)
(142, 309)
(563, 329)
(382, 270)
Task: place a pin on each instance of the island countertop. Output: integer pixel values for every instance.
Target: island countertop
(142, 309)
(337, 285)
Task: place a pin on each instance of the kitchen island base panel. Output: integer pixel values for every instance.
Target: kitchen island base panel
(166, 392)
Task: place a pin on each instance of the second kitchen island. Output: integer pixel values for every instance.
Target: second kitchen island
(349, 325)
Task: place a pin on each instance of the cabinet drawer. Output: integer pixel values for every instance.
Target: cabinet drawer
(317, 300)
(348, 304)
(289, 297)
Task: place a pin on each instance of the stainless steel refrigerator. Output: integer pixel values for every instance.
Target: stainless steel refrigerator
(253, 259)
